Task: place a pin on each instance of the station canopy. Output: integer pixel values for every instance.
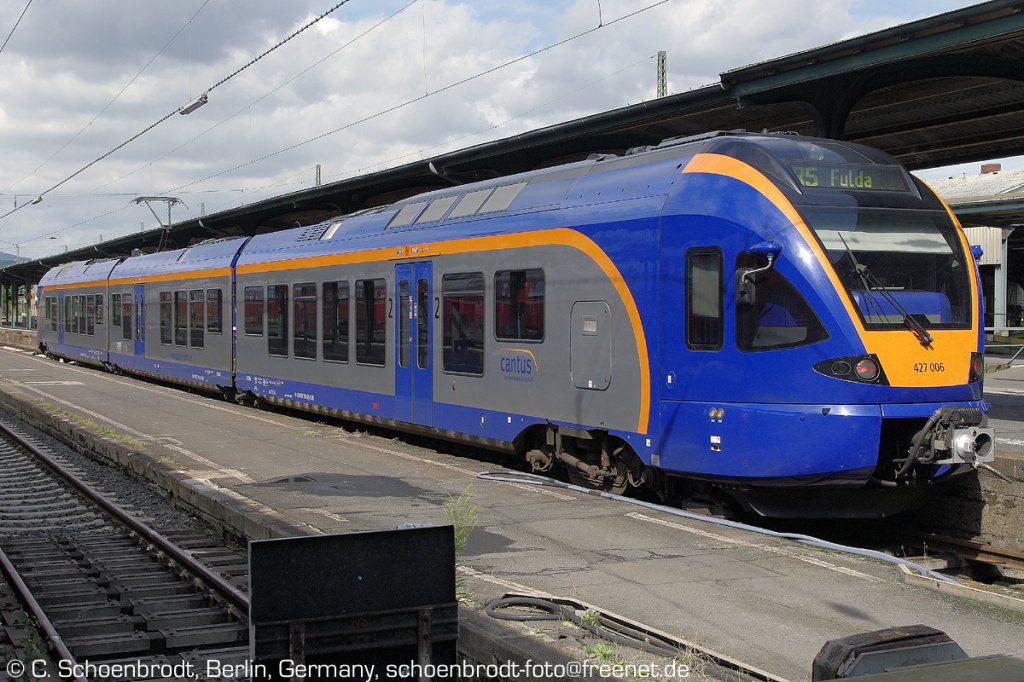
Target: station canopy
(939, 91)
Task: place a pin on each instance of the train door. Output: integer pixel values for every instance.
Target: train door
(60, 318)
(692, 314)
(414, 390)
(140, 322)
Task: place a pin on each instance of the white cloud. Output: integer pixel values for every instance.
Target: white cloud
(68, 59)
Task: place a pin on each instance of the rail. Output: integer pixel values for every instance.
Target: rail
(42, 621)
(224, 588)
(973, 550)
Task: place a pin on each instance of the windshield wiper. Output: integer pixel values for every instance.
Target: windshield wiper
(872, 284)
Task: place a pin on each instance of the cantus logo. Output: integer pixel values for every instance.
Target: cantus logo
(518, 365)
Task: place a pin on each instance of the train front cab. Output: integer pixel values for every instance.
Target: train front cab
(820, 339)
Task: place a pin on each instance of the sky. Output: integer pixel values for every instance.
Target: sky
(375, 84)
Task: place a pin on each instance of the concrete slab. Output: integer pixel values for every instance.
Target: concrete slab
(768, 602)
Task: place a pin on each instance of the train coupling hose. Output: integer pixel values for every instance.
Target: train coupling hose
(952, 435)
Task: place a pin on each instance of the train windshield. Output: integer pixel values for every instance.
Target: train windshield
(897, 264)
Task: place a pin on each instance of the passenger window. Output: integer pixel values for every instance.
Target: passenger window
(214, 311)
(126, 317)
(305, 335)
(115, 310)
(371, 298)
(779, 317)
(336, 318)
(196, 318)
(704, 291)
(180, 318)
(519, 305)
(277, 319)
(166, 314)
(253, 298)
(99, 309)
(463, 304)
(67, 314)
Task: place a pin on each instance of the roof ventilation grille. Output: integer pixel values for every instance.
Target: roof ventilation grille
(313, 232)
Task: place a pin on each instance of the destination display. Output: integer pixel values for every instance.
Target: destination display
(850, 177)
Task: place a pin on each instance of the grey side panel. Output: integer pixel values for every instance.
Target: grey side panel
(541, 389)
(547, 391)
(117, 343)
(216, 350)
(96, 343)
(253, 357)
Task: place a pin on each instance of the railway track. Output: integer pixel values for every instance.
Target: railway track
(105, 588)
(972, 551)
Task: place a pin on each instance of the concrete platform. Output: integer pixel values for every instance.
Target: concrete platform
(770, 603)
(1004, 391)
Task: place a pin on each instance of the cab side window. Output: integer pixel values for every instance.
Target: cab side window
(777, 316)
(704, 291)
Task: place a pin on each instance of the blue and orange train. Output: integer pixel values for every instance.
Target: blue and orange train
(793, 322)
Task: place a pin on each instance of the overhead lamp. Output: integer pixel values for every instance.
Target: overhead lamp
(194, 104)
(39, 197)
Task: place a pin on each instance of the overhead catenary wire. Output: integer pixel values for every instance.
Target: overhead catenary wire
(15, 27)
(450, 86)
(262, 97)
(69, 227)
(414, 100)
(282, 182)
(175, 111)
(453, 141)
(112, 99)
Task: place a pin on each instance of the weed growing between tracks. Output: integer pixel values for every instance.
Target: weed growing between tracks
(463, 515)
(592, 618)
(604, 653)
(31, 648)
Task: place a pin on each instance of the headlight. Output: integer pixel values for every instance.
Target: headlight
(863, 369)
(867, 369)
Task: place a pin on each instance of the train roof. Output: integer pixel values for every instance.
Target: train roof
(215, 253)
(467, 210)
(79, 271)
(470, 209)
